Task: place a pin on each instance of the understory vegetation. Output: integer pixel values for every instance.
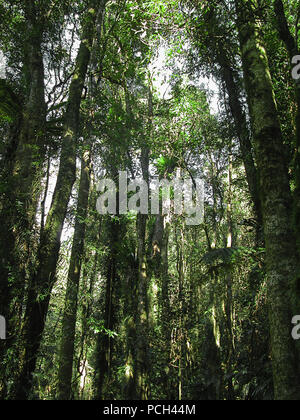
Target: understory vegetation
(129, 306)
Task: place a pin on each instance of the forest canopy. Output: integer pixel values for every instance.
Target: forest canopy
(106, 291)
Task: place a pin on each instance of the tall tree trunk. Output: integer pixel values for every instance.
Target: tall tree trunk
(43, 280)
(141, 371)
(89, 278)
(282, 265)
(243, 134)
(228, 304)
(19, 199)
(130, 310)
(221, 54)
(181, 269)
(105, 340)
(293, 50)
(21, 194)
(71, 299)
(160, 261)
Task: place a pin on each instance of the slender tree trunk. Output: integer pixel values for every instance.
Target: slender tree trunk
(42, 282)
(165, 292)
(71, 299)
(105, 341)
(141, 372)
(243, 134)
(282, 265)
(160, 261)
(228, 286)
(130, 310)
(221, 54)
(89, 279)
(21, 194)
(181, 268)
(19, 201)
(293, 50)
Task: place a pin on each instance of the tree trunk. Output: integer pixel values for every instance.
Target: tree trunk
(71, 299)
(243, 134)
(141, 371)
(105, 341)
(43, 280)
(160, 244)
(21, 194)
(282, 266)
(293, 50)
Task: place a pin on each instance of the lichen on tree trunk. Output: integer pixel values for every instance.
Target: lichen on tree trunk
(43, 280)
(282, 264)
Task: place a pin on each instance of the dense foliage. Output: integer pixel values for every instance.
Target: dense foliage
(132, 306)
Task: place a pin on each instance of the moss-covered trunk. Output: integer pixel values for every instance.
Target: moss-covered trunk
(70, 311)
(241, 128)
(293, 50)
(142, 362)
(20, 189)
(112, 292)
(282, 270)
(43, 280)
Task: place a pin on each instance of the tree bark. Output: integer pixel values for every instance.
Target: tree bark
(105, 341)
(243, 134)
(141, 371)
(71, 299)
(19, 201)
(293, 50)
(43, 280)
(282, 265)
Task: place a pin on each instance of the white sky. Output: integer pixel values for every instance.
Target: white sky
(162, 76)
